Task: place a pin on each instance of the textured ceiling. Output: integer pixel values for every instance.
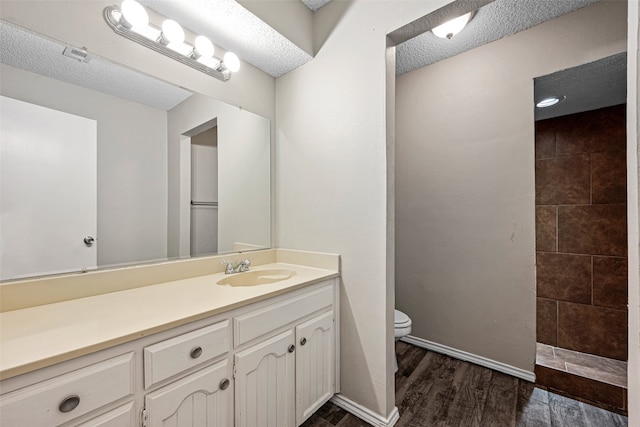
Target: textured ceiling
(494, 21)
(231, 26)
(234, 28)
(598, 84)
(31, 52)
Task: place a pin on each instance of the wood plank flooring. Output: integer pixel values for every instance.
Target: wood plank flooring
(436, 390)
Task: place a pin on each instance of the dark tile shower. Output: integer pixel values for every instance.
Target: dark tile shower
(581, 252)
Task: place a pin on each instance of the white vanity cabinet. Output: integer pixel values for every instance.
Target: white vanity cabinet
(285, 362)
(268, 363)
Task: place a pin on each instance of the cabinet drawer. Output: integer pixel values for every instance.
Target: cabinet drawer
(168, 358)
(122, 416)
(63, 398)
(259, 322)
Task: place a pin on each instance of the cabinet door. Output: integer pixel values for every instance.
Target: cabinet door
(203, 399)
(265, 383)
(315, 364)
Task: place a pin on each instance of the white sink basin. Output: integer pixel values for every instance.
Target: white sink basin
(257, 277)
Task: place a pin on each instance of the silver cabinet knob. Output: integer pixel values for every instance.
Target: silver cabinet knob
(88, 240)
(196, 352)
(303, 341)
(291, 348)
(69, 403)
(224, 384)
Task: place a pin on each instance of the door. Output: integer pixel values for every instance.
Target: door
(265, 383)
(203, 399)
(48, 196)
(315, 364)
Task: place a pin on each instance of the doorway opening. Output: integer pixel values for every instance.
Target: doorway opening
(581, 233)
(204, 192)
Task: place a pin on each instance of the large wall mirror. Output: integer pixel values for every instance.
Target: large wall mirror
(171, 174)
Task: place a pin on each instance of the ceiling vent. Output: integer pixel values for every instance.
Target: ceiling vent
(78, 54)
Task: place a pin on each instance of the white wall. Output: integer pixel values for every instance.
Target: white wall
(331, 178)
(465, 225)
(132, 165)
(633, 203)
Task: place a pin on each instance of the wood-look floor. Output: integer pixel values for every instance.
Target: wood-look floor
(436, 390)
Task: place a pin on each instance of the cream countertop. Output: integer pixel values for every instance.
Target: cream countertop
(35, 337)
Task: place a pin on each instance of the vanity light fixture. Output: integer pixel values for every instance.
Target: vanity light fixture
(131, 20)
(452, 27)
(549, 101)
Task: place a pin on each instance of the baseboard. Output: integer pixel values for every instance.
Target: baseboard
(366, 414)
(469, 357)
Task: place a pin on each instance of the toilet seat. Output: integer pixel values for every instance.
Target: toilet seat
(401, 319)
(402, 324)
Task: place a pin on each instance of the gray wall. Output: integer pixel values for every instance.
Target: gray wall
(465, 249)
(132, 163)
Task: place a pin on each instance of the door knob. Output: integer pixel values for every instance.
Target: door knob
(89, 240)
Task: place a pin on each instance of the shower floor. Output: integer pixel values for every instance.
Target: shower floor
(584, 376)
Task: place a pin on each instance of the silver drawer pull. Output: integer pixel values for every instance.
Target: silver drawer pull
(224, 384)
(303, 341)
(69, 404)
(291, 348)
(196, 352)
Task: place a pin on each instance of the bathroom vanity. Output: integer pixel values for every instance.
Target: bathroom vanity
(212, 349)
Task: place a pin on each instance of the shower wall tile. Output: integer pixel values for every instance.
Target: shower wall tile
(595, 330)
(608, 177)
(585, 388)
(610, 282)
(546, 228)
(545, 139)
(592, 131)
(546, 321)
(594, 229)
(564, 277)
(563, 180)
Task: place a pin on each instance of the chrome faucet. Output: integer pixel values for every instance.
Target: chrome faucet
(240, 267)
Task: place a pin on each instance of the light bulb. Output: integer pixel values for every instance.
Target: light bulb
(134, 14)
(451, 28)
(204, 48)
(231, 61)
(172, 32)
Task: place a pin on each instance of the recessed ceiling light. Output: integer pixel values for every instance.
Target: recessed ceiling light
(549, 101)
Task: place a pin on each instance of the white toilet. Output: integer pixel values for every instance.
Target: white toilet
(402, 326)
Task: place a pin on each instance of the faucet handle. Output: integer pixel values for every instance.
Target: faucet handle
(228, 266)
(244, 264)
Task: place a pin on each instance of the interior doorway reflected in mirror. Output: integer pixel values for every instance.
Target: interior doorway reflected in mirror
(204, 192)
